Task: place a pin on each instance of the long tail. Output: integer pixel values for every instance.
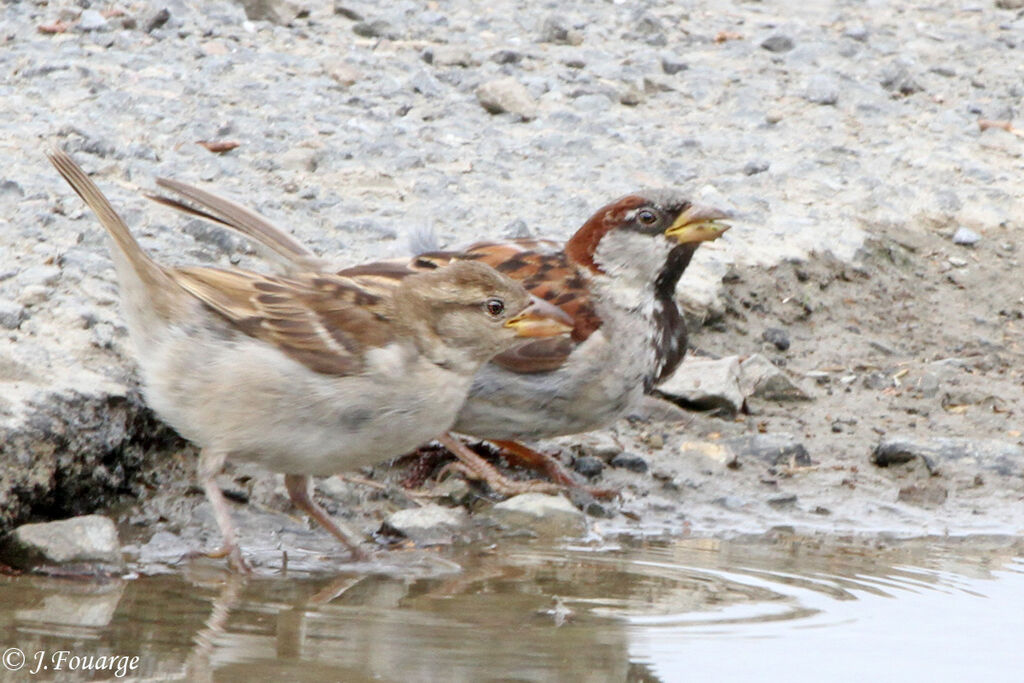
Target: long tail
(293, 254)
(159, 286)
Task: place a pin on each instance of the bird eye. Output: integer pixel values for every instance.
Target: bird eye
(646, 216)
(495, 307)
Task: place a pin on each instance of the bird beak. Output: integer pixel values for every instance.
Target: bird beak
(540, 319)
(697, 224)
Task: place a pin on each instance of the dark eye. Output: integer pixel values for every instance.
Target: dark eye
(495, 307)
(647, 217)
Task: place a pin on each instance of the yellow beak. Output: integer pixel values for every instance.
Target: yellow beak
(697, 224)
(540, 319)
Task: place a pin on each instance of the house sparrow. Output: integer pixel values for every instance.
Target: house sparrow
(615, 277)
(308, 374)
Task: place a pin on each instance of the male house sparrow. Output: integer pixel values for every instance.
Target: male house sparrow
(615, 277)
(307, 374)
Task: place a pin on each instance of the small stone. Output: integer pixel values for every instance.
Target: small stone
(823, 90)
(428, 525)
(91, 20)
(629, 461)
(896, 78)
(717, 456)
(449, 55)
(706, 384)
(541, 513)
(11, 315)
(507, 95)
(588, 465)
(515, 230)
(374, 29)
(1010, 4)
(858, 32)
(759, 377)
(969, 455)
(777, 337)
(966, 237)
(755, 167)
(344, 74)
(425, 84)
(347, 12)
(11, 189)
(90, 540)
(156, 20)
(778, 43)
(281, 12)
(782, 502)
(631, 96)
(772, 448)
(673, 66)
(507, 57)
(555, 29)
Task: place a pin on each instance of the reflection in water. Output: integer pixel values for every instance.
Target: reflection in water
(689, 609)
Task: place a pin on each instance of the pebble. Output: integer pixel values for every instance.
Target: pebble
(777, 337)
(929, 494)
(555, 29)
(966, 237)
(755, 167)
(759, 377)
(91, 20)
(706, 384)
(588, 465)
(507, 95)
(778, 43)
(428, 525)
(961, 454)
(673, 66)
(629, 461)
(822, 89)
(541, 513)
(11, 314)
(87, 544)
(772, 448)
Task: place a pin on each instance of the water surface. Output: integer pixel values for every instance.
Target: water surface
(777, 607)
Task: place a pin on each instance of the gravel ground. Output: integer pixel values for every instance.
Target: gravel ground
(357, 126)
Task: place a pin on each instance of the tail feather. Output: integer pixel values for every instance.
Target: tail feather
(240, 219)
(159, 287)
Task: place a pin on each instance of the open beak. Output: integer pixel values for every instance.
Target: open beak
(540, 319)
(697, 224)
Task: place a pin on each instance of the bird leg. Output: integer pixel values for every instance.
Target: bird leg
(474, 467)
(524, 455)
(298, 487)
(210, 463)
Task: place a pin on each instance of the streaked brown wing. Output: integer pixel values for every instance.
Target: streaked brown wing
(322, 321)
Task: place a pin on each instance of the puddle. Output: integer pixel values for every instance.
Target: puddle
(766, 608)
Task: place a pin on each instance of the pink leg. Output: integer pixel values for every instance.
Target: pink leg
(210, 463)
(298, 487)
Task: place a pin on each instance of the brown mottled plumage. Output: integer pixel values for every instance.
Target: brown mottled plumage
(307, 373)
(616, 279)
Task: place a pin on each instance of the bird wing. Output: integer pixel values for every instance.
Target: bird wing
(323, 321)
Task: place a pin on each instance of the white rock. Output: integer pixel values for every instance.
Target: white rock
(707, 384)
(430, 524)
(540, 512)
(90, 539)
(759, 377)
(507, 95)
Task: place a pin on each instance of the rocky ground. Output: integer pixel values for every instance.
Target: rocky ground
(868, 152)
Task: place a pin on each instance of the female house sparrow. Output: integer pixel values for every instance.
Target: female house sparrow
(307, 374)
(616, 278)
